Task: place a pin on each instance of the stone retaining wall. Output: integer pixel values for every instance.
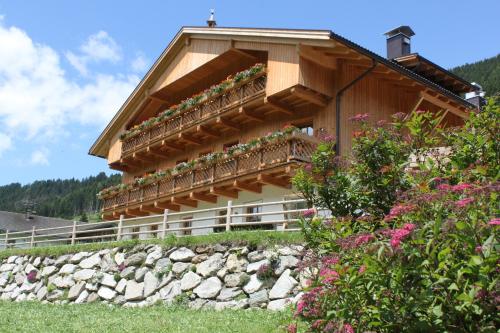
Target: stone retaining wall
(215, 276)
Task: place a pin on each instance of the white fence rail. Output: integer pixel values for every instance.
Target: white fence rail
(283, 217)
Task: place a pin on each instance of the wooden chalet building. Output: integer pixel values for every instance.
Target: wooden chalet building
(214, 88)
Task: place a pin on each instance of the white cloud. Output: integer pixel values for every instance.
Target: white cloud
(40, 157)
(38, 101)
(140, 63)
(98, 47)
(5, 143)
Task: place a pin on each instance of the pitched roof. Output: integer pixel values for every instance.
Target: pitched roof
(255, 34)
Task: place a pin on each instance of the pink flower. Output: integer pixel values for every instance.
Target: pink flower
(308, 167)
(329, 138)
(464, 202)
(478, 249)
(309, 213)
(359, 117)
(300, 307)
(461, 187)
(362, 269)
(398, 211)
(395, 243)
(292, 328)
(444, 187)
(347, 329)
(363, 239)
(328, 275)
(329, 260)
(397, 235)
(495, 221)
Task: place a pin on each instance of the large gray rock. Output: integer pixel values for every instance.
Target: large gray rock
(7, 267)
(258, 299)
(279, 304)
(61, 260)
(136, 259)
(182, 254)
(290, 250)
(82, 298)
(119, 258)
(170, 291)
(48, 271)
(150, 284)
(153, 256)
(55, 295)
(84, 274)
(253, 285)
(42, 293)
(134, 291)
(283, 286)
(139, 273)
(162, 264)
(128, 273)
(254, 266)
(235, 264)
(91, 261)
(76, 290)
(106, 293)
(180, 267)
(78, 257)
(209, 288)
(108, 280)
(239, 304)
(29, 268)
(190, 280)
(210, 266)
(227, 294)
(256, 256)
(121, 285)
(67, 269)
(286, 262)
(63, 282)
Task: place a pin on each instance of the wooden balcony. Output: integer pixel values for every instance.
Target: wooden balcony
(244, 103)
(268, 164)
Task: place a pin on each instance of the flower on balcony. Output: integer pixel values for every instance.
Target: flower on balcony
(196, 99)
(204, 160)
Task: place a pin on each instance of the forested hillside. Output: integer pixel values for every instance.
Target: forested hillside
(485, 72)
(68, 198)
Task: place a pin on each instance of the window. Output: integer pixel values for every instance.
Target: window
(221, 220)
(293, 206)
(154, 231)
(307, 129)
(254, 210)
(187, 223)
(251, 217)
(134, 231)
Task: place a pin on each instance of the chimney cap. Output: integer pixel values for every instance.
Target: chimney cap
(211, 20)
(404, 29)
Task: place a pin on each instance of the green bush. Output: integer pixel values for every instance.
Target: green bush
(422, 256)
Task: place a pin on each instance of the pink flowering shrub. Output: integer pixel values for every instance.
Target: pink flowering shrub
(424, 257)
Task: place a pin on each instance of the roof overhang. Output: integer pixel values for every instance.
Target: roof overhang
(325, 38)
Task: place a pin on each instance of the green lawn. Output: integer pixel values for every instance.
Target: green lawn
(36, 317)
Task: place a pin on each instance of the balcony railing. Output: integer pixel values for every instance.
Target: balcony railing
(296, 148)
(197, 114)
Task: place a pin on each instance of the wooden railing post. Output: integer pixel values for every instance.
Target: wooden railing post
(6, 239)
(164, 224)
(32, 241)
(120, 227)
(229, 212)
(73, 234)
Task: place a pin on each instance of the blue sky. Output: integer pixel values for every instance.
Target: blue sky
(67, 66)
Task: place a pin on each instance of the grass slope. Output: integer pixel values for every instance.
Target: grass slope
(36, 317)
(250, 238)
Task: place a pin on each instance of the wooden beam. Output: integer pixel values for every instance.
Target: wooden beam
(224, 192)
(228, 123)
(279, 106)
(243, 111)
(207, 131)
(185, 202)
(316, 56)
(203, 197)
(444, 105)
(150, 209)
(309, 96)
(155, 152)
(135, 212)
(190, 139)
(167, 205)
(244, 186)
(140, 157)
(270, 180)
(172, 146)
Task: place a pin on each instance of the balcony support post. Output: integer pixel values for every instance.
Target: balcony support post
(164, 224)
(229, 212)
(120, 227)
